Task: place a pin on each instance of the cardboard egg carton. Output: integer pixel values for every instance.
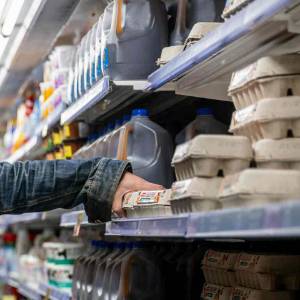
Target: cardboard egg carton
(197, 194)
(277, 154)
(168, 53)
(240, 293)
(207, 155)
(268, 272)
(233, 6)
(218, 267)
(254, 187)
(269, 77)
(215, 292)
(198, 31)
(147, 204)
(272, 118)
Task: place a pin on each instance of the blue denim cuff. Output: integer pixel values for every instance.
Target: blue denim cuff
(101, 187)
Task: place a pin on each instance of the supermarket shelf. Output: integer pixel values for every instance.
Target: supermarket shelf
(101, 99)
(30, 292)
(70, 219)
(204, 70)
(270, 221)
(53, 293)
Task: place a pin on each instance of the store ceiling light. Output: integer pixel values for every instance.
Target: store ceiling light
(11, 17)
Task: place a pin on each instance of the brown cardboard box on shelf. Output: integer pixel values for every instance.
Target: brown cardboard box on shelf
(218, 267)
(215, 292)
(168, 53)
(240, 293)
(269, 77)
(254, 187)
(206, 155)
(198, 32)
(197, 194)
(268, 272)
(277, 154)
(272, 118)
(147, 204)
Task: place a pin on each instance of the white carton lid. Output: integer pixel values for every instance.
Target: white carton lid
(266, 67)
(262, 181)
(147, 198)
(250, 294)
(268, 263)
(199, 188)
(214, 146)
(277, 150)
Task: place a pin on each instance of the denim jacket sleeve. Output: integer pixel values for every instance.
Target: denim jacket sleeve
(44, 185)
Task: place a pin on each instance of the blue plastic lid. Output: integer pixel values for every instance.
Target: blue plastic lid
(126, 118)
(140, 112)
(205, 111)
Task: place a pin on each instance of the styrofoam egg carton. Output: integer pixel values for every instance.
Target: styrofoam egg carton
(198, 31)
(272, 118)
(168, 53)
(268, 271)
(269, 77)
(147, 203)
(197, 194)
(233, 6)
(218, 267)
(277, 154)
(207, 155)
(253, 187)
(240, 293)
(215, 292)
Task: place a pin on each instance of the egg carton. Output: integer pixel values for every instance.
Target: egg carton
(268, 272)
(233, 6)
(198, 31)
(272, 118)
(269, 77)
(240, 293)
(277, 154)
(147, 204)
(215, 292)
(254, 187)
(168, 53)
(218, 267)
(197, 194)
(207, 155)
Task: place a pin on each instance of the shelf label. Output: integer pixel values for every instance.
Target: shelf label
(76, 231)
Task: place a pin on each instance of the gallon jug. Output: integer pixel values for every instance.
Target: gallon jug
(76, 75)
(86, 61)
(180, 32)
(205, 123)
(92, 75)
(71, 80)
(81, 89)
(114, 139)
(148, 147)
(134, 33)
(205, 11)
(98, 51)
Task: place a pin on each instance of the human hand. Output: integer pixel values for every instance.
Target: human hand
(130, 183)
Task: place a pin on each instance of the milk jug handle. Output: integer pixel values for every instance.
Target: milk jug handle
(123, 142)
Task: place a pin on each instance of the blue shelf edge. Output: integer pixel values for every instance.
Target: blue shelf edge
(249, 18)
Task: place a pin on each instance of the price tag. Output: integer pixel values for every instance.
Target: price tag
(68, 151)
(48, 293)
(78, 225)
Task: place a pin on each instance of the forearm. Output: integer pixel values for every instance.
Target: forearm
(45, 185)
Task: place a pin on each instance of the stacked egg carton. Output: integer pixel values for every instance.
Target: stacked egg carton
(197, 165)
(232, 275)
(266, 95)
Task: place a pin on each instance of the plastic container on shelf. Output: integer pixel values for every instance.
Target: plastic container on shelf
(75, 130)
(268, 77)
(98, 51)
(272, 118)
(268, 271)
(207, 155)
(62, 251)
(197, 194)
(254, 187)
(215, 292)
(133, 35)
(277, 154)
(250, 294)
(81, 74)
(204, 123)
(92, 56)
(75, 89)
(71, 147)
(148, 147)
(86, 61)
(233, 6)
(147, 204)
(218, 267)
